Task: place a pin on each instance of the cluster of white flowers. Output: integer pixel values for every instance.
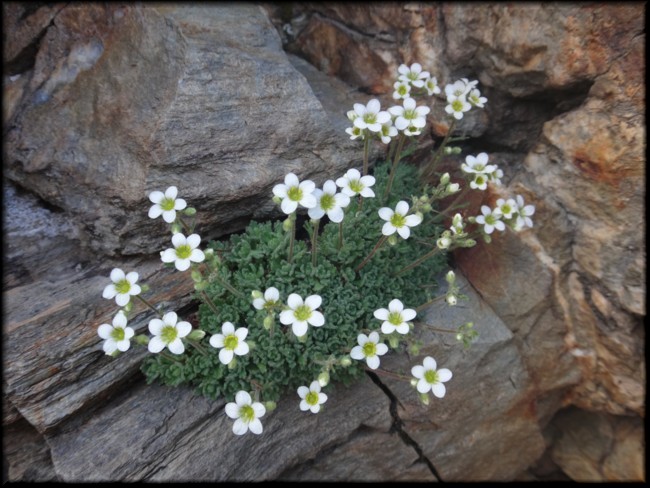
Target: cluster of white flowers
(480, 172)
(462, 95)
(512, 212)
(414, 78)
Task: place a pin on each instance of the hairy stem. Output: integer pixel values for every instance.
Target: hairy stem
(396, 159)
(418, 261)
(146, 302)
(314, 244)
(372, 253)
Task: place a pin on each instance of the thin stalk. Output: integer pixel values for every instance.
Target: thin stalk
(429, 303)
(198, 347)
(229, 287)
(146, 302)
(396, 159)
(391, 149)
(166, 355)
(293, 236)
(372, 253)
(388, 373)
(428, 326)
(433, 252)
(428, 171)
(314, 244)
(209, 302)
(366, 151)
(340, 235)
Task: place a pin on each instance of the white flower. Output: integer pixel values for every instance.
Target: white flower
(476, 99)
(409, 116)
(271, 298)
(123, 287)
(479, 182)
(388, 131)
(293, 192)
(230, 341)
(329, 202)
(352, 183)
(414, 75)
(430, 378)
(398, 220)
(457, 106)
(312, 398)
(168, 333)
(490, 220)
(444, 242)
(431, 85)
(355, 133)
(184, 251)
(477, 164)
(166, 204)
(116, 336)
(395, 318)
(451, 300)
(301, 314)
(369, 116)
(457, 225)
(246, 414)
(524, 213)
(495, 176)
(369, 348)
(459, 88)
(402, 89)
(507, 207)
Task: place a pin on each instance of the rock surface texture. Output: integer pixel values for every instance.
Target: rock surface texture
(105, 103)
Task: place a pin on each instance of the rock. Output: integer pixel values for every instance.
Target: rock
(196, 115)
(597, 447)
(26, 456)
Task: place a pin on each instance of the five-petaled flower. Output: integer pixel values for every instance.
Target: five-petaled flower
(311, 398)
(395, 318)
(301, 314)
(116, 336)
(123, 287)
(166, 204)
(413, 75)
(478, 164)
(352, 183)
(507, 207)
(409, 116)
(230, 341)
(490, 220)
(457, 106)
(369, 348)
(431, 85)
(476, 99)
(402, 89)
(398, 220)
(270, 300)
(370, 116)
(246, 413)
(293, 192)
(524, 212)
(329, 202)
(430, 378)
(184, 252)
(168, 333)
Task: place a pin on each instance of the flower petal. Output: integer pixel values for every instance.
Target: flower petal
(272, 294)
(239, 427)
(291, 180)
(313, 301)
(439, 390)
(171, 192)
(156, 345)
(242, 349)
(156, 196)
(217, 341)
(429, 363)
(357, 353)
(317, 319)
(336, 215)
(168, 255)
(303, 391)
(232, 410)
(193, 240)
(183, 328)
(176, 346)
(155, 211)
(294, 301)
(404, 232)
(444, 375)
(182, 264)
(287, 317)
(169, 216)
(117, 275)
(241, 333)
(226, 355)
(104, 331)
(385, 213)
(122, 299)
(388, 229)
(387, 328)
(243, 398)
(402, 207)
(178, 240)
(109, 291)
(180, 204)
(170, 318)
(417, 371)
(259, 409)
(423, 385)
(299, 328)
(197, 256)
(256, 426)
(381, 314)
(288, 206)
(155, 326)
(408, 314)
(227, 328)
(372, 362)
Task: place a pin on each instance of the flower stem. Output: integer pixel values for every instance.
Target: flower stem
(314, 244)
(228, 286)
(166, 355)
(293, 236)
(433, 252)
(430, 302)
(146, 302)
(198, 347)
(396, 159)
(209, 302)
(372, 253)
(428, 326)
(428, 170)
(184, 224)
(366, 150)
(340, 235)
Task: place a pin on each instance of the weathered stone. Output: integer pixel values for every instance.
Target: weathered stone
(597, 447)
(200, 112)
(26, 455)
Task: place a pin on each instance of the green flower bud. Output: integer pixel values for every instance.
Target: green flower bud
(268, 322)
(393, 342)
(115, 353)
(450, 277)
(449, 150)
(144, 288)
(302, 339)
(414, 349)
(414, 382)
(444, 179)
(270, 406)
(324, 378)
(232, 364)
(456, 150)
(392, 240)
(128, 307)
(189, 211)
(459, 337)
(196, 335)
(424, 398)
(142, 340)
(345, 361)
(200, 286)
(286, 225)
(468, 243)
(426, 207)
(196, 275)
(487, 238)
(176, 228)
(424, 199)
(209, 253)
(256, 294)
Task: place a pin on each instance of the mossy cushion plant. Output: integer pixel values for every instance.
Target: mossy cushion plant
(283, 312)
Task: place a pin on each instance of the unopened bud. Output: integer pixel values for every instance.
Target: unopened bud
(176, 228)
(452, 300)
(196, 275)
(426, 207)
(393, 342)
(424, 199)
(128, 307)
(449, 150)
(323, 378)
(201, 286)
(443, 243)
(189, 211)
(270, 406)
(414, 382)
(392, 240)
(287, 224)
(302, 339)
(232, 364)
(487, 238)
(196, 335)
(144, 288)
(459, 337)
(414, 349)
(256, 294)
(424, 398)
(142, 340)
(345, 361)
(453, 188)
(444, 179)
(268, 322)
(277, 199)
(114, 354)
(456, 150)
(209, 253)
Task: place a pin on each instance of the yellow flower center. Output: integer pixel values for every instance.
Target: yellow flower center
(356, 186)
(431, 377)
(168, 334)
(312, 398)
(327, 201)
(370, 349)
(117, 334)
(122, 287)
(398, 220)
(184, 251)
(294, 193)
(246, 413)
(395, 318)
(167, 204)
(302, 313)
(457, 105)
(230, 342)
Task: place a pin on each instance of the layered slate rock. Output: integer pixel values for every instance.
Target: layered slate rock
(123, 100)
